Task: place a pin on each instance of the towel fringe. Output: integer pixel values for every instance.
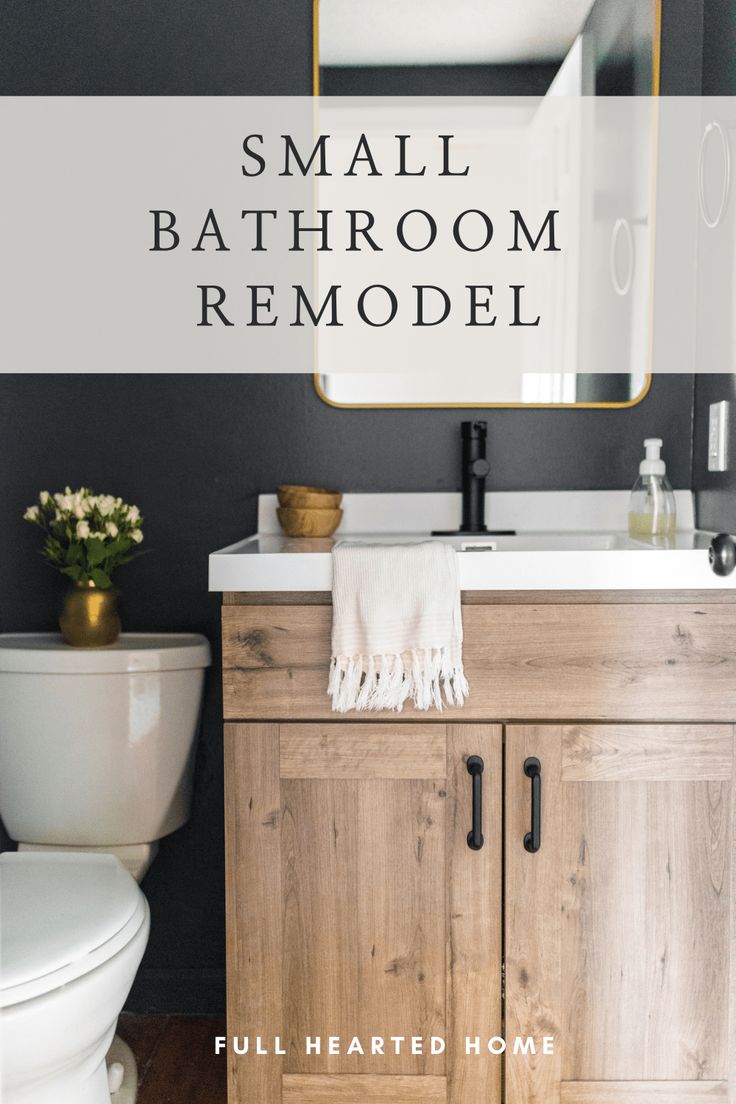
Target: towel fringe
(387, 681)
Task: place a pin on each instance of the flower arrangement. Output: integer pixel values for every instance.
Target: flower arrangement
(88, 536)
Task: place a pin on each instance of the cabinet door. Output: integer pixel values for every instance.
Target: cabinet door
(620, 929)
(357, 909)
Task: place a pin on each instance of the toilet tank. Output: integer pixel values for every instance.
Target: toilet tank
(97, 745)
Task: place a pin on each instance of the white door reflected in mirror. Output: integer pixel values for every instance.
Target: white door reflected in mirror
(509, 48)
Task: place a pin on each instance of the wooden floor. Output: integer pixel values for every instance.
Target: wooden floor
(176, 1058)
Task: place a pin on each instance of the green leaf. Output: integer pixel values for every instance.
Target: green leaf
(52, 551)
(96, 552)
(100, 578)
(74, 554)
(74, 572)
(120, 544)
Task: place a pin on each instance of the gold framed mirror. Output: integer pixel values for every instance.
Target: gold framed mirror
(586, 47)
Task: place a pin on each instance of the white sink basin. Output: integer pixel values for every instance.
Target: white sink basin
(538, 542)
(578, 542)
(599, 557)
(549, 541)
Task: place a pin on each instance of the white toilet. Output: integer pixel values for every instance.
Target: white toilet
(73, 929)
(96, 755)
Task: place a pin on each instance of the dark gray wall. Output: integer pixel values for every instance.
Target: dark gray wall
(715, 492)
(168, 47)
(719, 48)
(155, 47)
(682, 47)
(193, 452)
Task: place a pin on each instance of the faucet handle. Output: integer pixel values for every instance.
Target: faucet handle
(479, 468)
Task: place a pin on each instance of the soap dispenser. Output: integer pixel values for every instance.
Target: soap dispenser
(652, 507)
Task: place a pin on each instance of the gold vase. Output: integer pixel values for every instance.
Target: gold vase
(89, 617)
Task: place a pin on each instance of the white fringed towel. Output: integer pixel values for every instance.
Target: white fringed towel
(397, 629)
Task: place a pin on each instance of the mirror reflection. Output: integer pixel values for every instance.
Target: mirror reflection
(494, 48)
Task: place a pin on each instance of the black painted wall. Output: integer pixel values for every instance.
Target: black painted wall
(719, 48)
(681, 53)
(155, 48)
(128, 434)
(715, 492)
(193, 451)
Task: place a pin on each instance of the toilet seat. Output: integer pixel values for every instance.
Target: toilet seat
(61, 916)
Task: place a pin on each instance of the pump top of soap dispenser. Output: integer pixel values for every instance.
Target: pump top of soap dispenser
(653, 464)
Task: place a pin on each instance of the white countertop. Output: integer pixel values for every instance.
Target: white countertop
(547, 556)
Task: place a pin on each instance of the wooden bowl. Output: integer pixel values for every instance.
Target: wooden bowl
(298, 522)
(308, 498)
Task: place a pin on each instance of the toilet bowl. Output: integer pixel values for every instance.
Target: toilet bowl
(97, 744)
(97, 753)
(73, 929)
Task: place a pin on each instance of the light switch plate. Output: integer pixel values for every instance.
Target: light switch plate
(718, 436)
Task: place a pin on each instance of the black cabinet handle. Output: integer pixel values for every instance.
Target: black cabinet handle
(533, 771)
(475, 770)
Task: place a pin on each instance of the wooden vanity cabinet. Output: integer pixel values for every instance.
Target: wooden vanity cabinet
(356, 907)
(620, 930)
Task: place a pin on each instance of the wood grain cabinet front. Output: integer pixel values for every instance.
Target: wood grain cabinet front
(357, 910)
(557, 661)
(620, 929)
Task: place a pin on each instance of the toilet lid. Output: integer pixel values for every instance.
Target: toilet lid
(46, 653)
(61, 915)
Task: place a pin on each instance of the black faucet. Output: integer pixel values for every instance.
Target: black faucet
(475, 468)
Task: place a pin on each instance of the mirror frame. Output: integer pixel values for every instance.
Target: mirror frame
(317, 376)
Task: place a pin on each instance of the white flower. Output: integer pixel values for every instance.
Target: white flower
(111, 529)
(133, 514)
(44, 498)
(105, 504)
(32, 513)
(83, 530)
(136, 536)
